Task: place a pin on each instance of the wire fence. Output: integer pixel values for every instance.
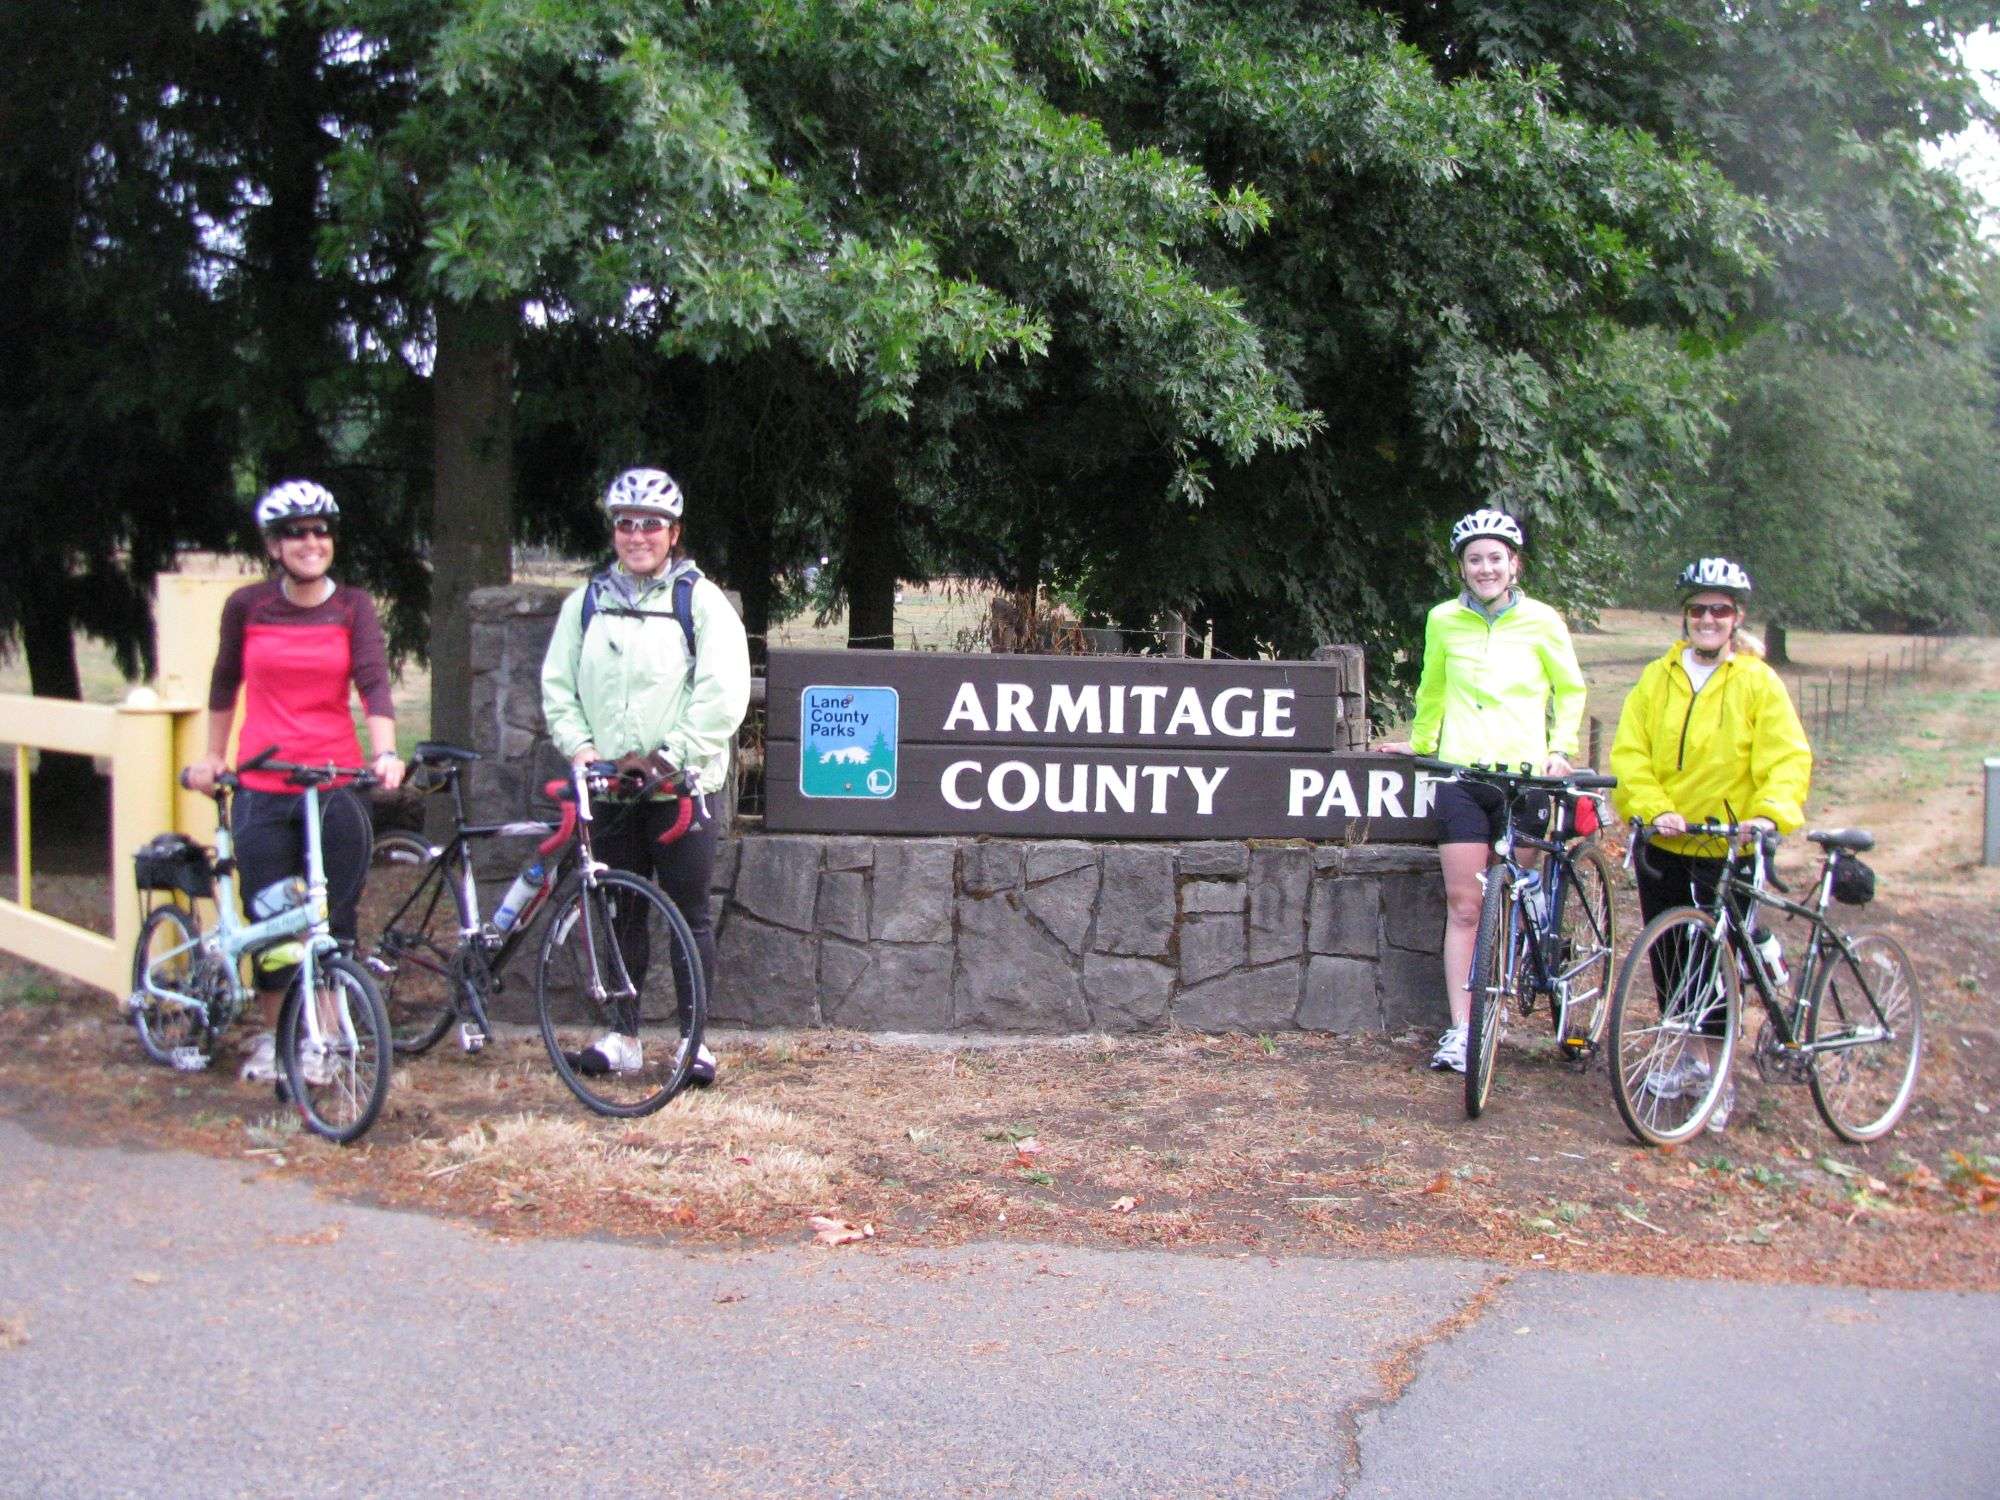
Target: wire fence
(1829, 699)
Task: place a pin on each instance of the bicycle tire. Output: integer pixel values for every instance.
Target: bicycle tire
(1487, 986)
(1861, 1092)
(1585, 955)
(164, 1028)
(341, 1102)
(1647, 1056)
(617, 927)
(416, 934)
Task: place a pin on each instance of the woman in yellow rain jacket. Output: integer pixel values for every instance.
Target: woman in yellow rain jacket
(1709, 732)
(1500, 687)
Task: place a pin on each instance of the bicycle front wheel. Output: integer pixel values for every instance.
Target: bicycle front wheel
(1673, 1027)
(1583, 958)
(411, 920)
(167, 950)
(1862, 1087)
(620, 994)
(339, 1077)
(1493, 955)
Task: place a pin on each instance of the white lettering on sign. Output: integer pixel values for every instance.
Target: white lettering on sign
(1238, 712)
(1335, 792)
(966, 706)
(1385, 794)
(1017, 785)
(1426, 795)
(1243, 728)
(1073, 710)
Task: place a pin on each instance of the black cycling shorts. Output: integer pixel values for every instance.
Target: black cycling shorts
(1475, 812)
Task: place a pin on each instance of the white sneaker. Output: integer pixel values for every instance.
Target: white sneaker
(315, 1064)
(1688, 1077)
(261, 1066)
(1450, 1054)
(702, 1074)
(614, 1052)
(1718, 1119)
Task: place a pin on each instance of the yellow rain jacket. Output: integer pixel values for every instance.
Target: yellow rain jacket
(1490, 688)
(1736, 748)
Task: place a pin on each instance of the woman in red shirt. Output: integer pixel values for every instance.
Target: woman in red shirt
(296, 645)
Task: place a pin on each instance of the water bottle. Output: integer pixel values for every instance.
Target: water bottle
(1536, 903)
(519, 894)
(1773, 953)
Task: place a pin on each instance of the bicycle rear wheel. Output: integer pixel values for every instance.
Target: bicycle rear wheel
(340, 1081)
(167, 949)
(411, 919)
(1861, 1091)
(619, 965)
(1673, 1027)
(1582, 961)
(1493, 957)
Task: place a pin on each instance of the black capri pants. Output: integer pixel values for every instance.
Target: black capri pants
(627, 838)
(1667, 879)
(270, 833)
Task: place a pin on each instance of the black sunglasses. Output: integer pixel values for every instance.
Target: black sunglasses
(647, 524)
(304, 529)
(1712, 611)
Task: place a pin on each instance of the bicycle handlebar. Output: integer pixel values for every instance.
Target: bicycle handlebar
(1575, 781)
(1736, 835)
(299, 775)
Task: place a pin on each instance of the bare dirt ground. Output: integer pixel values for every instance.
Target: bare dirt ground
(1235, 1145)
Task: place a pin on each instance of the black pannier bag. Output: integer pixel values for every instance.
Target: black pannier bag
(173, 862)
(1853, 882)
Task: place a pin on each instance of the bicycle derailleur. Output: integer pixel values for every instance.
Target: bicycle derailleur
(1777, 1063)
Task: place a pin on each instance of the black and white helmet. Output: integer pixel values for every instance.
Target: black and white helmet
(1715, 573)
(296, 500)
(1493, 523)
(649, 490)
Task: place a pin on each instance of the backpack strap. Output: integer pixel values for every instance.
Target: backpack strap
(683, 607)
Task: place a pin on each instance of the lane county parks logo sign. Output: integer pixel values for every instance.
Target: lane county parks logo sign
(847, 742)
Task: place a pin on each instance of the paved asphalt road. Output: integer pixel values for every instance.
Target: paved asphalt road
(172, 1325)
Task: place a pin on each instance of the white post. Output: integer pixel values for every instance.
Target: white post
(1992, 852)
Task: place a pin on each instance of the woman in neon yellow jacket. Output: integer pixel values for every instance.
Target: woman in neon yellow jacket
(1500, 687)
(1708, 732)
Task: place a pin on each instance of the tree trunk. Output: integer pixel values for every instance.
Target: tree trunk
(65, 786)
(472, 510)
(873, 560)
(1776, 650)
(750, 565)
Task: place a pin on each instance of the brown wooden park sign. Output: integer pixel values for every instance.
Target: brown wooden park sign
(1074, 747)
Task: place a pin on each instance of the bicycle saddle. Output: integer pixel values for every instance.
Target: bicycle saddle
(438, 753)
(1853, 840)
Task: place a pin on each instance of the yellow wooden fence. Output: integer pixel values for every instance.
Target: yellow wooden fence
(147, 739)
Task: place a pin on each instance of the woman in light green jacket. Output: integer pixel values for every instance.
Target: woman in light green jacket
(1501, 688)
(649, 667)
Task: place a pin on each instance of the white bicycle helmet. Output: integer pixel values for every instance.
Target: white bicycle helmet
(1715, 573)
(648, 490)
(1493, 523)
(296, 500)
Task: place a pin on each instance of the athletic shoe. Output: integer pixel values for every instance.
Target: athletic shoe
(315, 1064)
(702, 1074)
(614, 1052)
(1687, 1078)
(261, 1066)
(1718, 1120)
(1450, 1054)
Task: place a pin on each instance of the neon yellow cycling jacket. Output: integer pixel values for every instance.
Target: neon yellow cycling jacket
(1501, 692)
(1734, 749)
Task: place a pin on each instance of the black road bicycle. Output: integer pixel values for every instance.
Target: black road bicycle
(1851, 1029)
(1545, 924)
(615, 953)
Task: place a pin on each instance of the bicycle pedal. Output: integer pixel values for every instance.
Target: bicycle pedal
(188, 1059)
(471, 1038)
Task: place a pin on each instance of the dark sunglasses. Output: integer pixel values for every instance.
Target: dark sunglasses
(646, 524)
(1711, 611)
(305, 529)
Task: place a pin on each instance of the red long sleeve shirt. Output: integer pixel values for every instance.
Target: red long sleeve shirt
(295, 666)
